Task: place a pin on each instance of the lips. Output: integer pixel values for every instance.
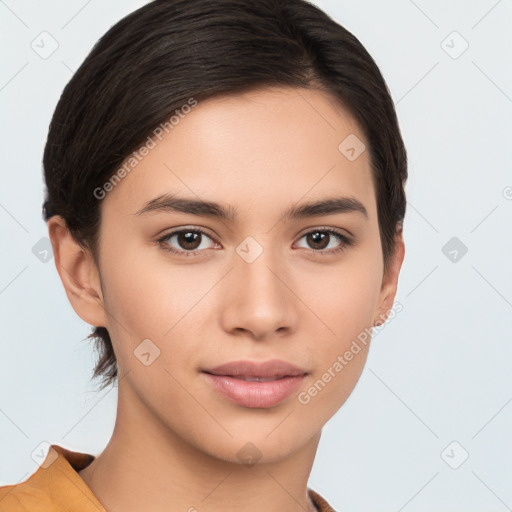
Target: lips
(273, 368)
(255, 379)
(256, 384)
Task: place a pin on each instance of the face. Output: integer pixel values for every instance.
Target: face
(185, 290)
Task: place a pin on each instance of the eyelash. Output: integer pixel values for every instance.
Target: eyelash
(347, 242)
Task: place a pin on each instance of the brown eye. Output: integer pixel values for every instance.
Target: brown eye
(320, 239)
(188, 240)
(185, 242)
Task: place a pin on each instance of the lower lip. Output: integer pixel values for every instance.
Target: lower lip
(253, 393)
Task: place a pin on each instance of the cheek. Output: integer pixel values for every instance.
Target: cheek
(343, 300)
(340, 344)
(148, 301)
(148, 291)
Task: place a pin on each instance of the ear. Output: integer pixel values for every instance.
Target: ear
(390, 280)
(78, 273)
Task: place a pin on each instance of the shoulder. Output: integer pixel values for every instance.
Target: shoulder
(321, 503)
(24, 497)
(56, 486)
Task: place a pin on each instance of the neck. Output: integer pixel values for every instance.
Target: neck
(146, 466)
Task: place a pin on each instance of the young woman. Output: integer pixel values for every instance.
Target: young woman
(225, 198)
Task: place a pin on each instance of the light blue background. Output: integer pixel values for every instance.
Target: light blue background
(438, 372)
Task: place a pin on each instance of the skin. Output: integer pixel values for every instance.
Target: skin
(176, 439)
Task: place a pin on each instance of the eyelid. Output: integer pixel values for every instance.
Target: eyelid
(342, 232)
(190, 227)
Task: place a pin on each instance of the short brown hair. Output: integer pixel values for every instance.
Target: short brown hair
(152, 61)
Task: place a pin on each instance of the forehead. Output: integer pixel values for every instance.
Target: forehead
(266, 147)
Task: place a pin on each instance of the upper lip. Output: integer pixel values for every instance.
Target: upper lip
(270, 368)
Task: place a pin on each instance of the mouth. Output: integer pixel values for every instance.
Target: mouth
(269, 370)
(247, 378)
(256, 384)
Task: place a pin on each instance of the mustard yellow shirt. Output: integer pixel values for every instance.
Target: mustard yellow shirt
(56, 486)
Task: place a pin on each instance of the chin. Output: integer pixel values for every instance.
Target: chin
(254, 445)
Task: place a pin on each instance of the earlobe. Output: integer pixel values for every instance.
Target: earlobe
(390, 281)
(78, 273)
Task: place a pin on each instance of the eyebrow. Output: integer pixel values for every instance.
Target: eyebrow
(328, 206)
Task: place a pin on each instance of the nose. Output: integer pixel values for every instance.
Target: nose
(259, 298)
